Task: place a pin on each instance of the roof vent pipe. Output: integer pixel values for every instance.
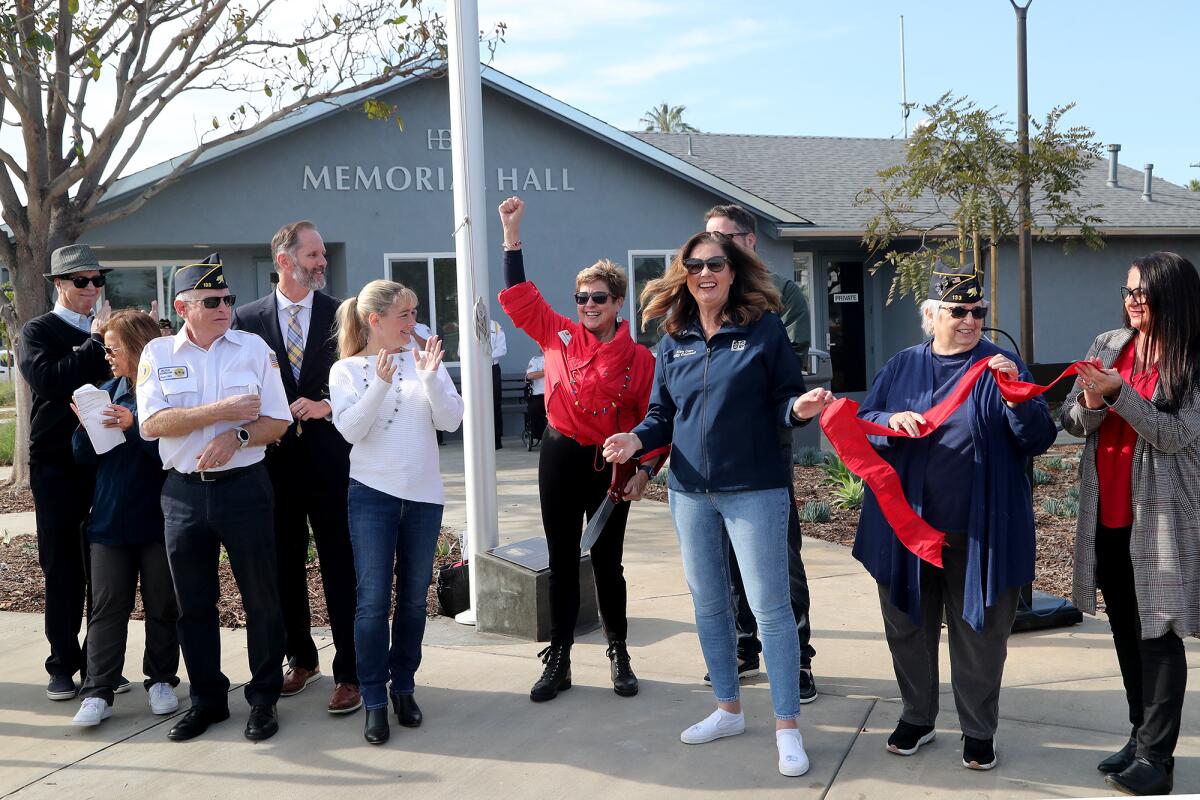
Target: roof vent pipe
(690, 144)
(1147, 192)
(1112, 165)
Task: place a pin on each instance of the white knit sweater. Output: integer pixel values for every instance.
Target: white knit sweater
(391, 425)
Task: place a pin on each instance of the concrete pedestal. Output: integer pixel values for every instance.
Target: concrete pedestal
(513, 595)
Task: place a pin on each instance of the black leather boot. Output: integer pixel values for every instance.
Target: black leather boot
(1120, 760)
(556, 677)
(376, 730)
(1144, 777)
(625, 683)
(407, 710)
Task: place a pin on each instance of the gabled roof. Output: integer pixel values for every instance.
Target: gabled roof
(498, 81)
(819, 176)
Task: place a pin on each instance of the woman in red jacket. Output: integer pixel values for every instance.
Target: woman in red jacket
(597, 384)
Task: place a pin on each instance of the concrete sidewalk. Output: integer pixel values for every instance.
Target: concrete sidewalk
(1062, 708)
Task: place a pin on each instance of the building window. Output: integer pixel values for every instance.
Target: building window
(644, 266)
(136, 284)
(434, 279)
(802, 274)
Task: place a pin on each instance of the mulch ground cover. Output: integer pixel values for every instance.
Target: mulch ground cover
(21, 579)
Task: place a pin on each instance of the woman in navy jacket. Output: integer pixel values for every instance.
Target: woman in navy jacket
(726, 382)
(125, 534)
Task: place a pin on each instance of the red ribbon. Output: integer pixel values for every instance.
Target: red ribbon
(848, 435)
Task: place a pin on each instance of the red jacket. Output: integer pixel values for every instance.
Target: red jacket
(593, 389)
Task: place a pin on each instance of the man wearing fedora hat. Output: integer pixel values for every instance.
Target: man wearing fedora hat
(60, 351)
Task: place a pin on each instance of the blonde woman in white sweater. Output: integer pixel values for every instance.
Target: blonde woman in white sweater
(389, 396)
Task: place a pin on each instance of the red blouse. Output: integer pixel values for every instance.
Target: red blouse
(1114, 450)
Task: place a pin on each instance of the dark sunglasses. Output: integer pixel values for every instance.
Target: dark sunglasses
(1138, 295)
(80, 281)
(695, 266)
(960, 312)
(212, 302)
(111, 351)
(599, 298)
(734, 235)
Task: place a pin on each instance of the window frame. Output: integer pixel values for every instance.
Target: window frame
(634, 290)
(428, 258)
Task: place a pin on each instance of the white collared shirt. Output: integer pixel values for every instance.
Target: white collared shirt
(282, 304)
(537, 364)
(176, 373)
(499, 343)
(76, 320)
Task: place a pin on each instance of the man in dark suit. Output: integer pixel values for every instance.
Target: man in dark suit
(310, 466)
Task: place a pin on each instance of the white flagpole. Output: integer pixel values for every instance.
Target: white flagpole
(470, 247)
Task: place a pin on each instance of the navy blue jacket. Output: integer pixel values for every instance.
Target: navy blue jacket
(127, 505)
(720, 404)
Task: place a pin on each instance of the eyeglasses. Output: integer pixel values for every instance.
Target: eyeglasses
(599, 298)
(695, 266)
(111, 351)
(81, 281)
(734, 235)
(212, 302)
(1138, 295)
(960, 312)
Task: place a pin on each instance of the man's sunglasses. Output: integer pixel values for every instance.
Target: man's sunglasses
(695, 266)
(81, 281)
(1138, 295)
(599, 298)
(960, 312)
(212, 302)
(734, 235)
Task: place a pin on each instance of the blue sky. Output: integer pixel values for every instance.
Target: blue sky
(831, 68)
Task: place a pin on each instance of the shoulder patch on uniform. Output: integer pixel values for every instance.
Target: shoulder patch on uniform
(143, 372)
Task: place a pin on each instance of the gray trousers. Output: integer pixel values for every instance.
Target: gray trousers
(115, 573)
(976, 657)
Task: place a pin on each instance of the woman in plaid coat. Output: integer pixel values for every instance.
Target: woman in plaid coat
(1138, 537)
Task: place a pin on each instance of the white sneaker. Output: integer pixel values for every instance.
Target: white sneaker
(793, 761)
(163, 699)
(92, 712)
(716, 725)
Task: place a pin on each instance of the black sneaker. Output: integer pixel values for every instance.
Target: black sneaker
(978, 753)
(747, 668)
(122, 685)
(61, 687)
(808, 686)
(908, 738)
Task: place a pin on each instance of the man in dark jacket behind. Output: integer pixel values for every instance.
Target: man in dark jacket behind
(310, 466)
(60, 351)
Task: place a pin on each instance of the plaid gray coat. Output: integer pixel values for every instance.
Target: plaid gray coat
(1165, 540)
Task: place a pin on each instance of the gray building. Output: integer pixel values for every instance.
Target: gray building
(381, 197)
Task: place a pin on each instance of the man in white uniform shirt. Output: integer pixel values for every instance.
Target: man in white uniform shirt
(214, 399)
(499, 349)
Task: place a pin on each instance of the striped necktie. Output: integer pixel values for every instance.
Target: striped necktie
(295, 341)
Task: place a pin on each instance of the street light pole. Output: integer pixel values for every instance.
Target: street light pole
(1024, 214)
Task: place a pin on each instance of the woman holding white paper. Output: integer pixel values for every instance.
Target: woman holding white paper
(125, 534)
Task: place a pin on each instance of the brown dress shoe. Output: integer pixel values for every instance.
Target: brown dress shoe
(345, 699)
(296, 678)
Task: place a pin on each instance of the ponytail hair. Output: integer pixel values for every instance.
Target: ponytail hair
(352, 315)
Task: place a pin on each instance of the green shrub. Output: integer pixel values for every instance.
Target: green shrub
(1041, 477)
(1055, 463)
(849, 493)
(1073, 493)
(815, 511)
(809, 457)
(8, 391)
(1060, 507)
(660, 479)
(8, 433)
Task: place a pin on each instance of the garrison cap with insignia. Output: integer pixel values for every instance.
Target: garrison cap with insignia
(205, 274)
(955, 284)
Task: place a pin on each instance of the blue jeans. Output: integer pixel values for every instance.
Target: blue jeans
(390, 537)
(754, 523)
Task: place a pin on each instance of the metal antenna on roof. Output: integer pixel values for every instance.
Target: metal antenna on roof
(905, 106)
(689, 144)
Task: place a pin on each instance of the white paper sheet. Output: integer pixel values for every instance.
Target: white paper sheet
(92, 403)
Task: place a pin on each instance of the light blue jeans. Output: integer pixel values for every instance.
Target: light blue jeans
(755, 523)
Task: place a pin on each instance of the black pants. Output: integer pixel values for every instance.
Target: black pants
(536, 408)
(115, 573)
(572, 482)
(200, 517)
(309, 495)
(497, 392)
(1154, 671)
(747, 626)
(62, 497)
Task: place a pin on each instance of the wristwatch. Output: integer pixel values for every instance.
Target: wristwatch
(243, 436)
